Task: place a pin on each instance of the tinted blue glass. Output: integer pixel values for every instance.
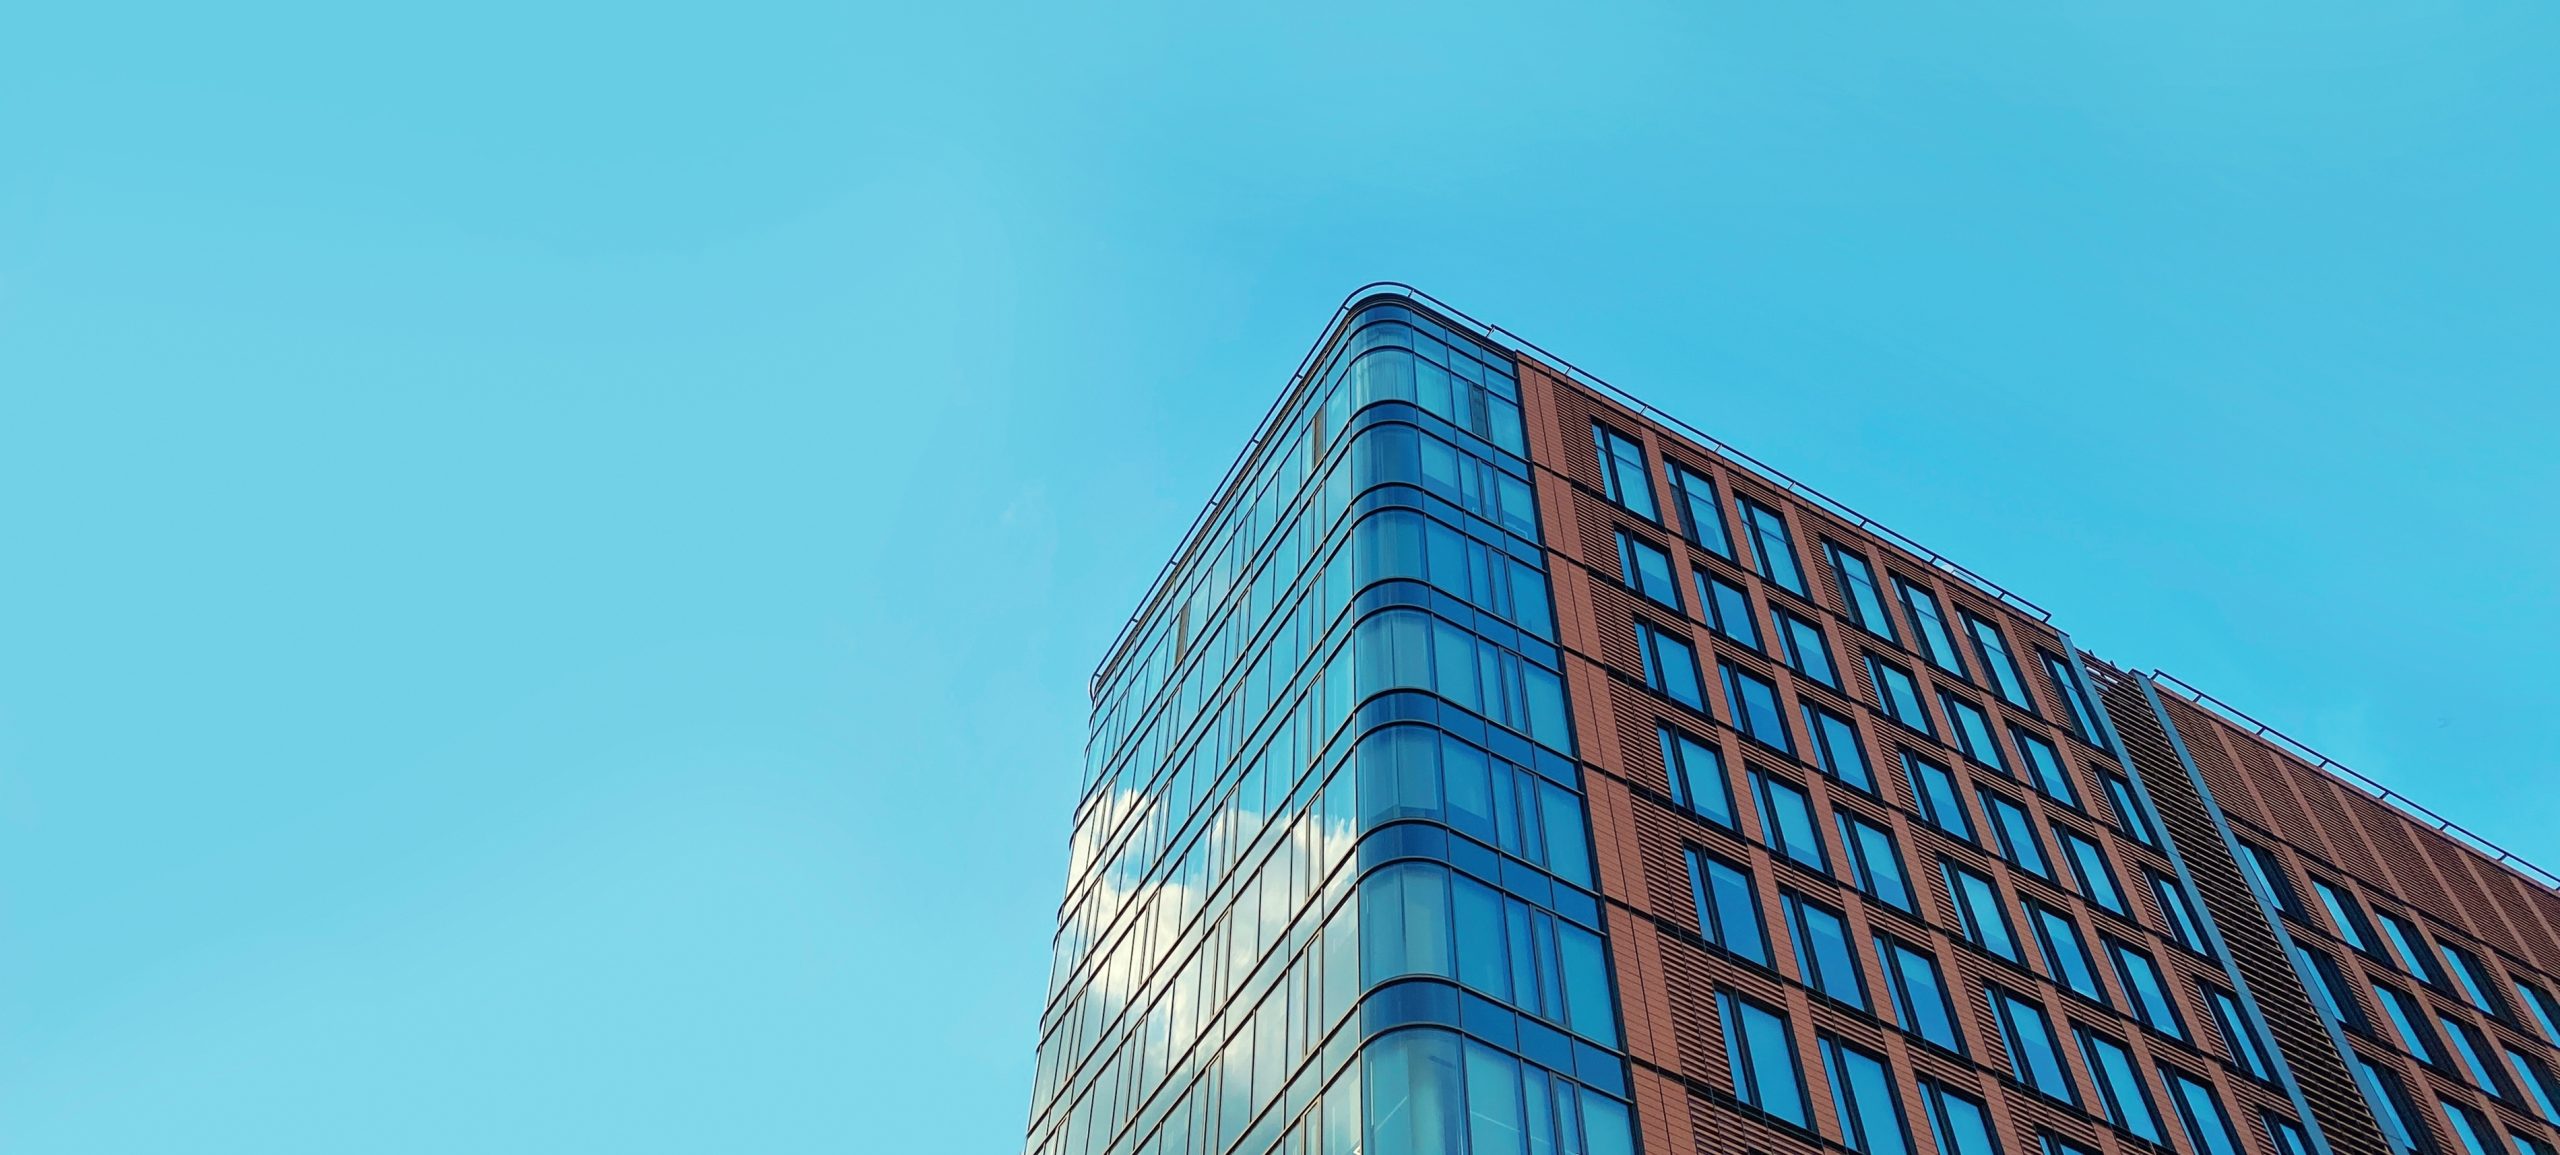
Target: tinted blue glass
(1647, 570)
(2173, 908)
(2471, 979)
(1898, 695)
(1973, 731)
(1921, 1001)
(1763, 1058)
(1670, 667)
(1786, 822)
(1994, 651)
(2471, 1051)
(1755, 708)
(1865, 1100)
(2089, 866)
(1622, 470)
(2474, 1136)
(1699, 520)
(1697, 777)
(2034, 1058)
(1858, 589)
(2017, 834)
(1930, 623)
(1774, 548)
(1962, 1126)
(2066, 956)
(2120, 1089)
(1727, 608)
(2237, 1036)
(1806, 651)
(1986, 922)
(1836, 748)
(1936, 790)
(2075, 700)
(2044, 765)
(1876, 861)
(1728, 909)
(2149, 991)
(1823, 959)
(2536, 1085)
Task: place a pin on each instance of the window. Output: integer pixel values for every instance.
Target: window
(1805, 649)
(2120, 1089)
(2472, 978)
(2089, 866)
(1670, 666)
(1776, 551)
(1697, 777)
(1755, 708)
(1936, 790)
(2016, 833)
(1870, 1109)
(1648, 570)
(2538, 1005)
(1858, 589)
(2248, 1051)
(1823, 958)
(2057, 1145)
(2147, 988)
(1973, 731)
(1961, 1124)
(1786, 823)
(1994, 652)
(1763, 1058)
(2066, 956)
(1728, 909)
(2408, 946)
(2034, 1058)
(2344, 912)
(2471, 1052)
(2328, 988)
(2536, 1084)
(2075, 700)
(2409, 1022)
(2390, 1103)
(1921, 1002)
(2044, 766)
(1622, 472)
(1978, 908)
(2267, 871)
(2208, 1127)
(1875, 862)
(1898, 694)
(1726, 608)
(1938, 645)
(1836, 748)
(2470, 1131)
(2129, 816)
(2288, 1137)
(2183, 928)
(1699, 520)
(2528, 1145)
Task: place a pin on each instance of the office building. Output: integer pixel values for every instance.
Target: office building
(1501, 766)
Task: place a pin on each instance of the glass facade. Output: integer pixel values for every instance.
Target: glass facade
(1503, 768)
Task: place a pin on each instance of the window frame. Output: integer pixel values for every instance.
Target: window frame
(1605, 442)
(1632, 552)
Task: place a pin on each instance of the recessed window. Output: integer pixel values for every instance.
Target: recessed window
(2389, 1100)
(2129, 815)
(2016, 833)
(2288, 1136)
(1973, 731)
(2328, 988)
(1858, 589)
(2346, 915)
(2075, 699)
(1823, 958)
(2066, 955)
(1623, 476)
(1726, 607)
(1728, 908)
(2120, 1091)
(2471, 1054)
(1875, 862)
(1984, 920)
(1937, 643)
(1936, 790)
(1772, 545)
(1836, 748)
(1786, 823)
(2268, 872)
(1762, 1054)
(2208, 1126)
(2408, 946)
(1755, 708)
(2044, 765)
(2148, 989)
(2089, 866)
(2470, 1132)
(2535, 1081)
(1648, 570)
(1864, 1096)
(2182, 926)
(1670, 666)
(2545, 1014)
(1994, 652)
(1921, 1000)
(1699, 520)
(2472, 978)
(2408, 1022)
(1962, 1125)
(2034, 1057)
(1806, 651)
(1898, 695)
(2248, 1051)
(1696, 773)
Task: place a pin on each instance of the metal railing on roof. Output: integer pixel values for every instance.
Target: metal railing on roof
(2340, 771)
(1517, 344)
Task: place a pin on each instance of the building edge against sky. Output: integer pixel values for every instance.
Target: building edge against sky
(1503, 766)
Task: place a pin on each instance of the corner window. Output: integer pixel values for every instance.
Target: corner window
(1670, 666)
(1771, 545)
(1623, 476)
(1647, 570)
(1858, 589)
(1699, 520)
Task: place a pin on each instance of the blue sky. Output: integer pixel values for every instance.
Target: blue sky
(553, 554)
